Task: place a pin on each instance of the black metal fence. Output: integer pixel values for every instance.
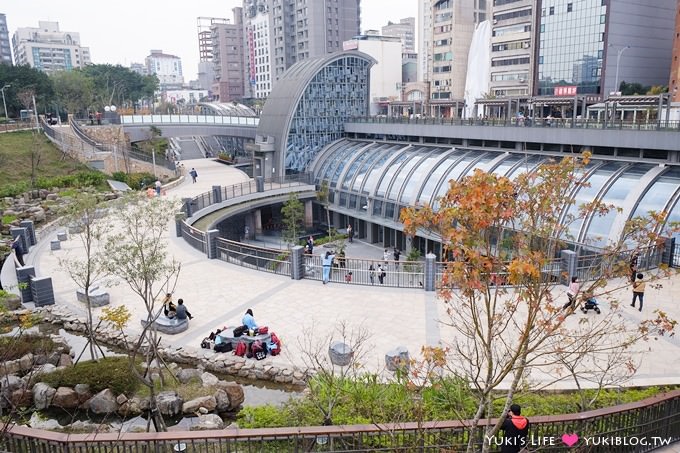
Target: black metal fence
(259, 258)
(636, 427)
(194, 237)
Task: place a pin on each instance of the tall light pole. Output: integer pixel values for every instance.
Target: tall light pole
(618, 60)
(4, 104)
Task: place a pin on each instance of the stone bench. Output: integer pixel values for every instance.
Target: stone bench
(98, 297)
(55, 245)
(170, 326)
(61, 236)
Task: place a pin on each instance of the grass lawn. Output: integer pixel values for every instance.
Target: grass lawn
(15, 158)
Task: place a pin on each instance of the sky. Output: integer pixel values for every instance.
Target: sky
(124, 31)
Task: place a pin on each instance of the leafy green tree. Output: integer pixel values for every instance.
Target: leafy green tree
(73, 90)
(293, 213)
(22, 79)
(119, 85)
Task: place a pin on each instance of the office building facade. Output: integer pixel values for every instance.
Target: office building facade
(674, 81)
(5, 47)
(49, 49)
(590, 46)
(279, 33)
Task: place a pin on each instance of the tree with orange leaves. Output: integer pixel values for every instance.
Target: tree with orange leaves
(496, 230)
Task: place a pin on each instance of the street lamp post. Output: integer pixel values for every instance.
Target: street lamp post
(618, 60)
(4, 104)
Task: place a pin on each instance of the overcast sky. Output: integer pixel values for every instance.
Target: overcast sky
(123, 31)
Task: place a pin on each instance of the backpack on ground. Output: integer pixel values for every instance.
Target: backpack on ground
(207, 343)
(240, 330)
(223, 347)
(258, 350)
(241, 349)
(274, 345)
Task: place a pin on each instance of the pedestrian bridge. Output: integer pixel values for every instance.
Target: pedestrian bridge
(137, 126)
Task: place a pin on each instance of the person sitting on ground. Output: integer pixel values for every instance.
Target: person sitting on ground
(249, 320)
(181, 311)
(169, 309)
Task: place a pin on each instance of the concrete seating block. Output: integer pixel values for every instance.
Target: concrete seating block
(340, 353)
(98, 297)
(170, 326)
(55, 245)
(397, 358)
(61, 236)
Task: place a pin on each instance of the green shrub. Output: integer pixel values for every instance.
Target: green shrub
(138, 181)
(8, 219)
(267, 416)
(12, 190)
(110, 372)
(16, 347)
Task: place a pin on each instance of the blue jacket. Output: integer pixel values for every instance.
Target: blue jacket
(249, 322)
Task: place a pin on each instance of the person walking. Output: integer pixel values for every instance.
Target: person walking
(386, 257)
(381, 274)
(18, 250)
(639, 290)
(350, 233)
(371, 273)
(326, 265)
(194, 174)
(572, 292)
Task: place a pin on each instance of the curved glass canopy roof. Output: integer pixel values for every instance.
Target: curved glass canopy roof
(380, 178)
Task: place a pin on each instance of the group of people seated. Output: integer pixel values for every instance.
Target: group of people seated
(172, 311)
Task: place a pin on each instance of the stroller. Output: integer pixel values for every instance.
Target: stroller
(591, 304)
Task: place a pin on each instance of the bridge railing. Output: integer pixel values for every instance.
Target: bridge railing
(655, 125)
(189, 119)
(634, 427)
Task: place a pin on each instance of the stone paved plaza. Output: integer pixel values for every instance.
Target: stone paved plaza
(218, 293)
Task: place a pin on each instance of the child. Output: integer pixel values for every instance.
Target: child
(348, 277)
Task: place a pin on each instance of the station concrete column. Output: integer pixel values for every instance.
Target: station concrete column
(309, 214)
(257, 220)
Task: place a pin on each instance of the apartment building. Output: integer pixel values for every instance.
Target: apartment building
(405, 30)
(5, 48)
(49, 49)
(168, 69)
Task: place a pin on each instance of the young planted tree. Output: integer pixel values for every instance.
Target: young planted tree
(137, 254)
(323, 196)
(27, 99)
(293, 217)
(87, 221)
(500, 334)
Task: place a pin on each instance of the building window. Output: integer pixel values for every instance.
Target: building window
(603, 18)
(552, 10)
(570, 7)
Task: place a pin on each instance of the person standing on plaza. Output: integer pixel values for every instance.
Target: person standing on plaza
(639, 290)
(386, 257)
(18, 250)
(397, 255)
(327, 262)
(310, 244)
(634, 265)
(381, 274)
(371, 273)
(572, 292)
(157, 186)
(350, 233)
(194, 174)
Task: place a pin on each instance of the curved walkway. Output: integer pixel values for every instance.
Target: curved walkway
(218, 294)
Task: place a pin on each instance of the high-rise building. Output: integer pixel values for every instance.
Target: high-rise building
(511, 47)
(453, 24)
(49, 49)
(424, 38)
(228, 57)
(5, 48)
(591, 46)
(404, 30)
(674, 82)
(139, 68)
(168, 69)
(279, 33)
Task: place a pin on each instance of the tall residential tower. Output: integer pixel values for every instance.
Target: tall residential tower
(49, 49)
(5, 48)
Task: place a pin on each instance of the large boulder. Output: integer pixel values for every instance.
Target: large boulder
(207, 402)
(66, 398)
(65, 360)
(103, 402)
(169, 403)
(186, 375)
(133, 407)
(209, 421)
(42, 395)
(11, 301)
(80, 426)
(21, 398)
(222, 400)
(209, 379)
(234, 391)
(10, 383)
(26, 362)
(83, 392)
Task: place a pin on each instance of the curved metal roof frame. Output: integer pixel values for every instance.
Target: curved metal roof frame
(278, 111)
